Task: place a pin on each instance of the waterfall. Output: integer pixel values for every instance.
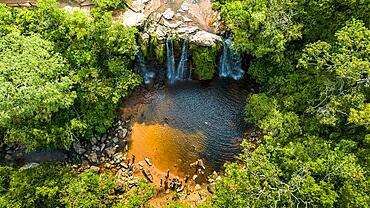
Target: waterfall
(182, 64)
(170, 60)
(230, 62)
(147, 74)
(178, 73)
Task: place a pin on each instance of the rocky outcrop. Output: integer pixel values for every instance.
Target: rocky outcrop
(193, 20)
(204, 38)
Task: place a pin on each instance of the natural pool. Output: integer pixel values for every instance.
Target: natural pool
(179, 123)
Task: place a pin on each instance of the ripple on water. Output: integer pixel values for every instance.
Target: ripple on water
(207, 116)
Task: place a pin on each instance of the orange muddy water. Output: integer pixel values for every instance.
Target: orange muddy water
(177, 124)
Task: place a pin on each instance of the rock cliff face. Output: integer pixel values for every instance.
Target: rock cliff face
(187, 19)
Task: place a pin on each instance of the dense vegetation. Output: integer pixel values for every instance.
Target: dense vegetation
(54, 185)
(62, 74)
(311, 59)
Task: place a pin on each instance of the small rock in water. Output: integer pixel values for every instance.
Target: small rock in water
(147, 174)
(148, 161)
(124, 165)
(197, 187)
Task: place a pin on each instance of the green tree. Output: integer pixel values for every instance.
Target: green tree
(262, 27)
(35, 84)
(96, 52)
(89, 189)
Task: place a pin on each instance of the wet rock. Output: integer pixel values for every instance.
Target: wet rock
(195, 177)
(123, 132)
(147, 174)
(102, 147)
(124, 165)
(110, 151)
(201, 164)
(204, 38)
(95, 169)
(147, 160)
(78, 148)
(115, 140)
(93, 157)
(103, 138)
(29, 165)
(198, 187)
(93, 140)
(214, 174)
(95, 148)
(211, 188)
(168, 14)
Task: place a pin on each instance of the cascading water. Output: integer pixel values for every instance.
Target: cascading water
(147, 74)
(230, 62)
(180, 75)
(171, 76)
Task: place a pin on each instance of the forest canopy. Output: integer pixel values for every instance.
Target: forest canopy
(311, 60)
(78, 68)
(63, 75)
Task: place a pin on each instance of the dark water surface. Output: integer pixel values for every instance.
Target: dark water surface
(180, 123)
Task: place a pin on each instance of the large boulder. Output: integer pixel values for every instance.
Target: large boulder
(168, 14)
(131, 18)
(204, 38)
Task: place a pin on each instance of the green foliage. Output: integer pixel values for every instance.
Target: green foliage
(5, 173)
(262, 27)
(90, 61)
(204, 60)
(313, 108)
(110, 4)
(54, 185)
(89, 189)
(35, 84)
(138, 196)
(36, 187)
